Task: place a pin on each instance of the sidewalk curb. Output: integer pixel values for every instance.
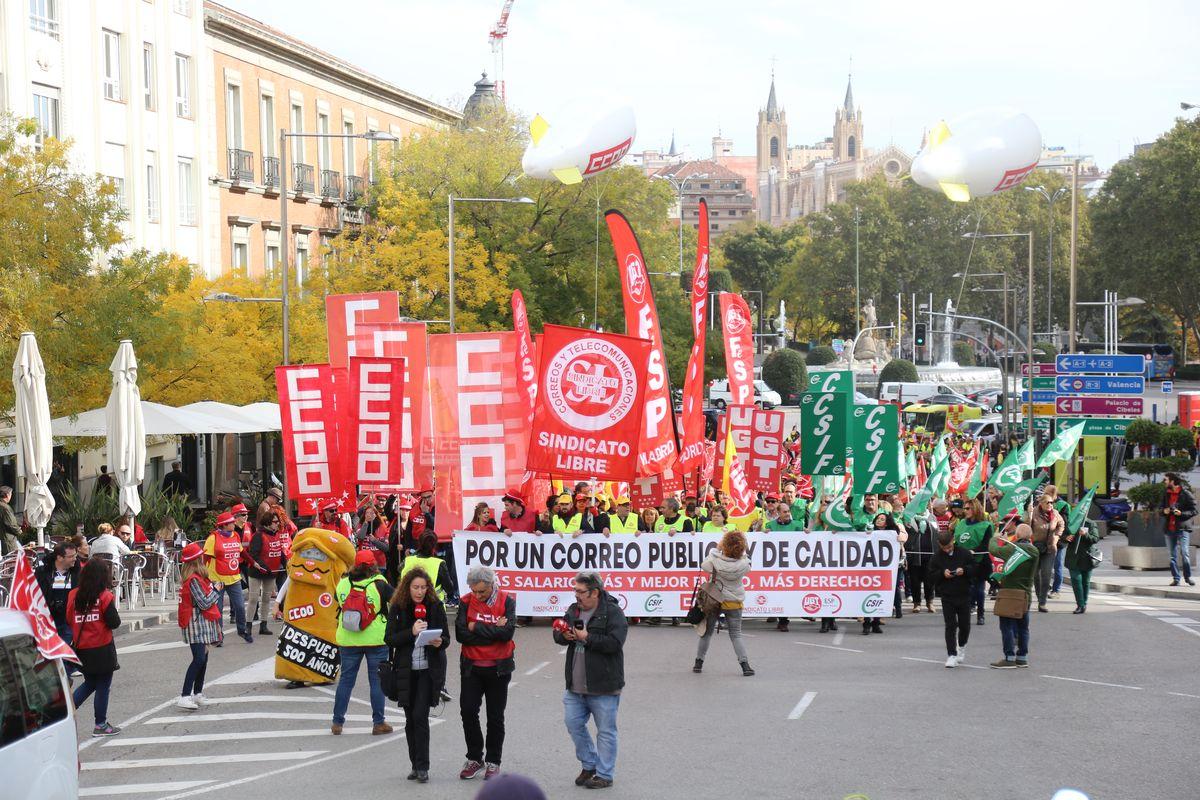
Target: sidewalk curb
(150, 620)
(1143, 591)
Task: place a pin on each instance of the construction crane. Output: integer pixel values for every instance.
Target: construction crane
(496, 37)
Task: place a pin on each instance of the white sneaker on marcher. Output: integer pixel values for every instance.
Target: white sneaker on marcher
(200, 699)
(186, 703)
(962, 654)
(951, 662)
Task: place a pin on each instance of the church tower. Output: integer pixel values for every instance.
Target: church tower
(772, 136)
(847, 129)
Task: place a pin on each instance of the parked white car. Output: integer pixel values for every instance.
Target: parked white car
(905, 392)
(38, 747)
(764, 396)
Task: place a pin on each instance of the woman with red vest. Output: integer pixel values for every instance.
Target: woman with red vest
(484, 627)
(482, 520)
(223, 549)
(92, 615)
(264, 562)
(372, 535)
(200, 619)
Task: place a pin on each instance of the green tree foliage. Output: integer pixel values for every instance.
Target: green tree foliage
(964, 354)
(755, 257)
(1176, 439)
(898, 369)
(820, 356)
(1146, 495)
(1147, 242)
(784, 371)
(1143, 431)
(1044, 352)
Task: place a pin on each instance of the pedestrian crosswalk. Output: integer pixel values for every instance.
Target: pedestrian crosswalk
(1171, 616)
(249, 728)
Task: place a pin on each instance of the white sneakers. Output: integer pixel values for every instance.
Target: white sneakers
(200, 699)
(951, 662)
(962, 654)
(955, 660)
(188, 703)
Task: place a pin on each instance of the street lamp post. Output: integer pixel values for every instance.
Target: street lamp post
(857, 289)
(284, 135)
(679, 185)
(1051, 199)
(1029, 317)
(451, 200)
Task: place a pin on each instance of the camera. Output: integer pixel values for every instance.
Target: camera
(578, 624)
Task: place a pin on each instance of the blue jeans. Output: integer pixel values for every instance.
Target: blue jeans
(193, 679)
(1179, 540)
(1056, 584)
(978, 591)
(100, 684)
(1015, 635)
(601, 756)
(351, 658)
(237, 604)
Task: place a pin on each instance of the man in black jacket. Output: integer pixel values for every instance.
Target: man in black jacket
(1178, 508)
(57, 575)
(951, 571)
(593, 629)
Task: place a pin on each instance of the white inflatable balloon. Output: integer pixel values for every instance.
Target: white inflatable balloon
(581, 141)
(978, 154)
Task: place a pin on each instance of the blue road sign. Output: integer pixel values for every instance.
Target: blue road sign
(1038, 396)
(1168, 387)
(1099, 384)
(1089, 362)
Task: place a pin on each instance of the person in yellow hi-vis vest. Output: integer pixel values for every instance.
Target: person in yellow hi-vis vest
(426, 559)
(307, 650)
(623, 520)
(565, 519)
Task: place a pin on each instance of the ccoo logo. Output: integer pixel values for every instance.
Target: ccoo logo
(635, 278)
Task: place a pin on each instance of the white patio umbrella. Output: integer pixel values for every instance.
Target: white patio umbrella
(34, 441)
(126, 429)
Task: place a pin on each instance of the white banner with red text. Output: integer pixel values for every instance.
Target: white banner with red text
(819, 574)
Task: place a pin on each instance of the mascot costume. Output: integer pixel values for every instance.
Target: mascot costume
(307, 650)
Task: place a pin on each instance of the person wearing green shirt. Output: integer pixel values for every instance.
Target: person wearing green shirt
(716, 522)
(364, 581)
(972, 532)
(1020, 564)
(798, 505)
(864, 518)
(785, 521)
(1077, 546)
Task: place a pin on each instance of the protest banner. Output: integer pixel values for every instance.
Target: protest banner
(739, 348)
(875, 432)
(308, 417)
(758, 438)
(345, 312)
(824, 423)
(817, 574)
(376, 419)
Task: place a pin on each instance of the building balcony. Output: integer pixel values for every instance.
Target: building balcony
(303, 178)
(331, 184)
(354, 189)
(270, 171)
(241, 165)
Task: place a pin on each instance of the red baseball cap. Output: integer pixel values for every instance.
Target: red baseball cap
(224, 519)
(239, 509)
(191, 552)
(364, 558)
(515, 496)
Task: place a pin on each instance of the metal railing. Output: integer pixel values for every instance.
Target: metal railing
(354, 188)
(241, 165)
(270, 171)
(331, 183)
(302, 178)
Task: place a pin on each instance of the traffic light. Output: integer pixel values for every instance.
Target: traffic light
(922, 333)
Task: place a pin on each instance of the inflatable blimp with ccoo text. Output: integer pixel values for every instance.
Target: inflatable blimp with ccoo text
(583, 141)
(978, 154)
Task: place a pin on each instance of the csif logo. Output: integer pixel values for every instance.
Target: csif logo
(872, 603)
(653, 603)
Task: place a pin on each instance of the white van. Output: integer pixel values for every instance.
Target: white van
(764, 396)
(38, 748)
(904, 392)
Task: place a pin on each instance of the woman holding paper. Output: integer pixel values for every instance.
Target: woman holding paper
(416, 632)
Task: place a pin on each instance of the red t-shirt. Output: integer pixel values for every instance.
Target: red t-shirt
(526, 523)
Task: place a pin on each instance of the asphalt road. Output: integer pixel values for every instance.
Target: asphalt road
(1108, 705)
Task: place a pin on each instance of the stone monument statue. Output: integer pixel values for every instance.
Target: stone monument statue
(946, 346)
(869, 348)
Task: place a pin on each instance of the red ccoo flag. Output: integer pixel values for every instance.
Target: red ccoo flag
(26, 596)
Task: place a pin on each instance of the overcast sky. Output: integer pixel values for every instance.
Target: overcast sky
(1097, 76)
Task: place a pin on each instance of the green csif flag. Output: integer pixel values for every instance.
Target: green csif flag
(1079, 512)
(835, 517)
(939, 450)
(976, 484)
(1018, 496)
(1063, 445)
(910, 464)
(1018, 557)
(917, 505)
(1011, 471)
(939, 479)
